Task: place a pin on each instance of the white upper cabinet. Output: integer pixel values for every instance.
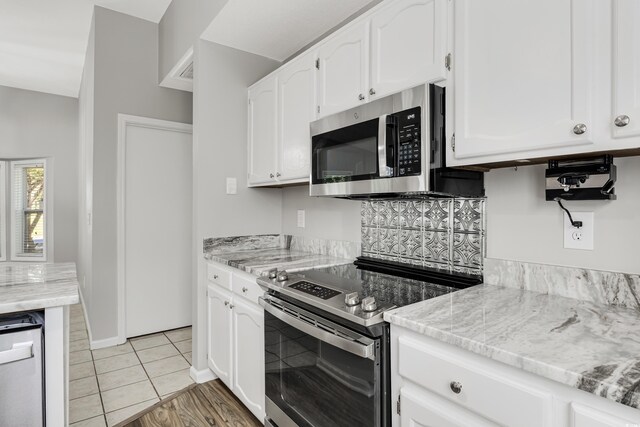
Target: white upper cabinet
(262, 131)
(297, 108)
(523, 78)
(408, 40)
(625, 120)
(343, 77)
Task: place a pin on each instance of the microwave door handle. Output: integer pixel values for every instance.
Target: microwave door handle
(384, 169)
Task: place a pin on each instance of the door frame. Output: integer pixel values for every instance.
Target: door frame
(125, 121)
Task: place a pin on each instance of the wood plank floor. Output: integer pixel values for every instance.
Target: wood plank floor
(208, 404)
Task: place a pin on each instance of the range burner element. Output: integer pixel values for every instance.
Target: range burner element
(315, 290)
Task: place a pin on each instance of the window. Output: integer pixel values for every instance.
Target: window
(3, 211)
(28, 230)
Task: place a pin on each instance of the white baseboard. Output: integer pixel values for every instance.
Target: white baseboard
(107, 342)
(202, 376)
(96, 344)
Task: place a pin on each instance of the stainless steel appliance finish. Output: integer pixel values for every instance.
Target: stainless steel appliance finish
(386, 181)
(349, 310)
(21, 370)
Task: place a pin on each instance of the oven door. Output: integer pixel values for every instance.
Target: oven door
(318, 373)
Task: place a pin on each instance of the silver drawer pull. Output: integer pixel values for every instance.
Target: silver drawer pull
(18, 351)
(226, 303)
(621, 121)
(245, 289)
(456, 387)
(215, 276)
(580, 128)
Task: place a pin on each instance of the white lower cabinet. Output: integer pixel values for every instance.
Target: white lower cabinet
(248, 355)
(420, 409)
(219, 334)
(236, 339)
(439, 385)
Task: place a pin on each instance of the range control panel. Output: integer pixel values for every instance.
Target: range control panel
(409, 157)
(315, 290)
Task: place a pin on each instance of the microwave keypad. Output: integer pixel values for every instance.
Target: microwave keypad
(409, 150)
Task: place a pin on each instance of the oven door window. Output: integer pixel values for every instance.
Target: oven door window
(317, 384)
(347, 154)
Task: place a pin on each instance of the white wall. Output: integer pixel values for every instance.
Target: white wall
(35, 124)
(125, 65)
(325, 218)
(222, 76)
(522, 226)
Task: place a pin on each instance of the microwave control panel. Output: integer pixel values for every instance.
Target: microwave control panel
(409, 156)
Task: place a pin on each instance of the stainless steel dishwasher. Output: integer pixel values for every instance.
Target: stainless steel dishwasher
(22, 369)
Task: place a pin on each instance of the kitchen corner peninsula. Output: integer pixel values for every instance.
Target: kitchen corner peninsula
(50, 288)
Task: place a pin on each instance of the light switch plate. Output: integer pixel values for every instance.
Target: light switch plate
(301, 218)
(579, 238)
(232, 186)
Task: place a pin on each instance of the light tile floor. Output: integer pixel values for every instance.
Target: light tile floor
(111, 384)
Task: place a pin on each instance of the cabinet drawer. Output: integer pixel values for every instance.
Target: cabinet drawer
(246, 286)
(219, 275)
(482, 391)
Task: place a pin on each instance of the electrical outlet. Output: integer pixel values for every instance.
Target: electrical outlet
(301, 215)
(232, 186)
(579, 238)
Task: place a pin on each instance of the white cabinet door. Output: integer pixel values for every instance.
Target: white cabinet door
(262, 132)
(344, 69)
(626, 69)
(584, 416)
(523, 78)
(419, 409)
(219, 334)
(248, 350)
(297, 100)
(408, 42)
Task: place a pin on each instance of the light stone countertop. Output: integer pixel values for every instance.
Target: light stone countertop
(259, 261)
(590, 346)
(34, 286)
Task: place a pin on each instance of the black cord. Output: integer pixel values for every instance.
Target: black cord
(576, 224)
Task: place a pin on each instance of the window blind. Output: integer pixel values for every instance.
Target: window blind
(28, 209)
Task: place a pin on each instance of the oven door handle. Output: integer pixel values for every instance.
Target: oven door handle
(364, 350)
(384, 169)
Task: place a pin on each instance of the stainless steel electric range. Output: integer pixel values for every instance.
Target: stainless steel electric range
(327, 344)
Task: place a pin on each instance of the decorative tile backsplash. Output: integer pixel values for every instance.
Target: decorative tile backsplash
(447, 234)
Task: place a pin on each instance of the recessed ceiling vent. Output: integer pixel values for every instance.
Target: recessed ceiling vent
(181, 75)
(187, 73)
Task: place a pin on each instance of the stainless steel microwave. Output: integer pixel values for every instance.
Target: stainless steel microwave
(389, 147)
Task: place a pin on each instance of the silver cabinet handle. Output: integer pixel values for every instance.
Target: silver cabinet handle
(215, 276)
(580, 128)
(270, 175)
(226, 303)
(329, 332)
(231, 306)
(456, 387)
(372, 91)
(245, 289)
(621, 121)
(361, 97)
(18, 351)
(278, 174)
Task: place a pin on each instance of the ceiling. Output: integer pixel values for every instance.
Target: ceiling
(277, 28)
(43, 42)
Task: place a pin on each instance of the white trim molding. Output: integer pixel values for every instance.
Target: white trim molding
(3, 211)
(125, 121)
(202, 376)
